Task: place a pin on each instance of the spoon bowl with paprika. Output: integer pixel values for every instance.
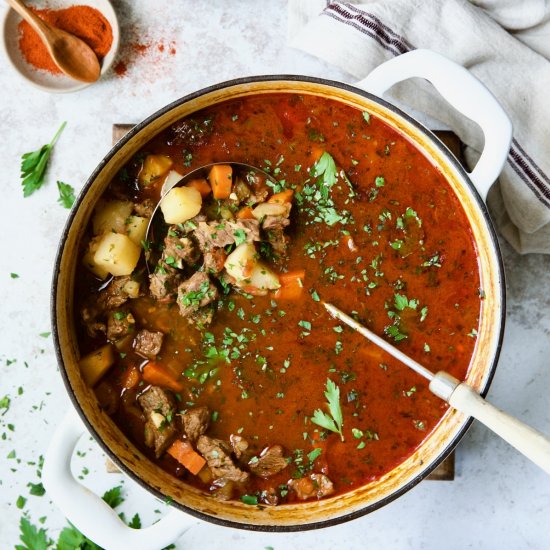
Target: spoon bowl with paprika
(95, 28)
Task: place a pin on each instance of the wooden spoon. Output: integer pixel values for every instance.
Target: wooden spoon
(528, 441)
(73, 56)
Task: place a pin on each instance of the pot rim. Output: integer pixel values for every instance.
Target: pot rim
(479, 204)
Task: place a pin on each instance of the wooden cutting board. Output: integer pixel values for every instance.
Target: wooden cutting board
(446, 470)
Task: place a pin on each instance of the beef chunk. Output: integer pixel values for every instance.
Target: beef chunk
(316, 485)
(195, 294)
(214, 260)
(241, 190)
(274, 228)
(179, 250)
(93, 312)
(270, 462)
(144, 209)
(158, 406)
(239, 444)
(163, 282)
(218, 234)
(260, 195)
(251, 229)
(195, 422)
(148, 344)
(113, 295)
(119, 324)
(217, 455)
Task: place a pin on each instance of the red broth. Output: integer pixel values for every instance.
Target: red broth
(407, 250)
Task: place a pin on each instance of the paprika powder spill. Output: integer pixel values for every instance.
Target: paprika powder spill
(87, 23)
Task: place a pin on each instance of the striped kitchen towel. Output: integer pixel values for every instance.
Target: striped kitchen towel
(505, 43)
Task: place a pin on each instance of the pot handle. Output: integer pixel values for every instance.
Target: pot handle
(464, 92)
(88, 512)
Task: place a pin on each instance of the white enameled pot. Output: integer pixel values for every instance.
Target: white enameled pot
(86, 510)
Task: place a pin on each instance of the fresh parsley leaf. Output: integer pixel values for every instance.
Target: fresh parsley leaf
(135, 522)
(326, 172)
(72, 539)
(423, 313)
(14, 275)
(393, 331)
(36, 489)
(33, 165)
(401, 302)
(113, 497)
(250, 499)
(5, 404)
(314, 454)
(324, 420)
(335, 421)
(20, 502)
(240, 236)
(66, 194)
(31, 537)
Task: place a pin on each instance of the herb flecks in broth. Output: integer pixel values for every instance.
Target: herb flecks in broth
(248, 389)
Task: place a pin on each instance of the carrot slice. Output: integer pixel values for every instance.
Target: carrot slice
(201, 185)
(158, 375)
(131, 378)
(282, 197)
(291, 285)
(183, 452)
(245, 213)
(316, 153)
(221, 180)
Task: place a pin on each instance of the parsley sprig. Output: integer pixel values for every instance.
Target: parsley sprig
(33, 165)
(335, 421)
(31, 537)
(66, 194)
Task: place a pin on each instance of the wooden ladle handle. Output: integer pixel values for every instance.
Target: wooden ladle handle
(32, 19)
(528, 441)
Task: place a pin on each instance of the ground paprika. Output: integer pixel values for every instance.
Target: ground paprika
(83, 21)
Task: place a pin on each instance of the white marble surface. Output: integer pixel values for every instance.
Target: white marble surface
(498, 499)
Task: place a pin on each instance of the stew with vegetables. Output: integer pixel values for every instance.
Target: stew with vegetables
(221, 363)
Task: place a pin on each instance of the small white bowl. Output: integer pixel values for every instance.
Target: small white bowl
(43, 79)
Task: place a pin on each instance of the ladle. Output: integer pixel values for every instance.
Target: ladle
(157, 228)
(528, 441)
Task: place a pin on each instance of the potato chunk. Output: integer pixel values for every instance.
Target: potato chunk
(240, 263)
(244, 265)
(111, 216)
(89, 262)
(136, 228)
(263, 278)
(172, 178)
(117, 254)
(154, 166)
(181, 204)
(94, 365)
(269, 209)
